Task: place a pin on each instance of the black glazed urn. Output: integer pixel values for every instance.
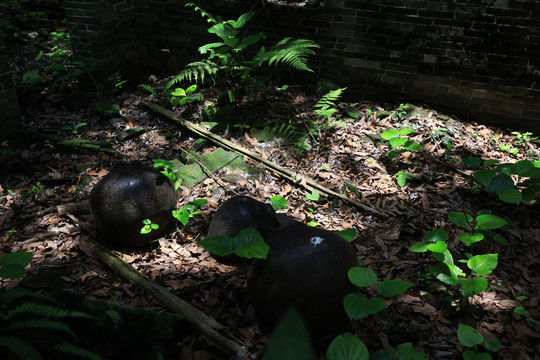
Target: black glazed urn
(242, 212)
(306, 268)
(128, 194)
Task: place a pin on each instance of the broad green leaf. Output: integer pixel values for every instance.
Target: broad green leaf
(358, 306)
(511, 196)
(500, 183)
(492, 345)
(362, 276)
(181, 215)
(348, 234)
(484, 177)
(407, 351)
(290, 339)
(490, 162)
(532, 172)
(390, 288)
(442, 273)
(419, 247)
(347, 347)
(520, 310)
(469, 239)
(397, 141)
(472, 161)
(460, 218)
(388, 134)
(278, 202)
(436, 235)
(249, 244)
(218, 245)
(314, 196)
(438, 247)
(475, 286)
(191, 89)
(527, 195)
(243, 19)
(490, 222)
(406, 131)
(483, 264)
(445, 257)
(469, 336)
(412, 146)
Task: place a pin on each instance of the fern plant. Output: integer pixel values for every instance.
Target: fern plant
(326, 107)
(226, 56)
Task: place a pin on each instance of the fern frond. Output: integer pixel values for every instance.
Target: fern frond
(39, 324)
(195, 70)
(22, 348)
(148, 88)
(327, 100)
(45, 310)
(292, 52)
(71, 349)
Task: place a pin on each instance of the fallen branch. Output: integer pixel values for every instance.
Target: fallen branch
(214, 332)
(295, 177)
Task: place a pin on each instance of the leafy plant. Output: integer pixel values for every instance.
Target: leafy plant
(170, 169)
(478, 228)
(402, 177)
(523, 138)
(399, 142)
(326, 106)
(189, 210)
(247, 244)
(500, 181)
(278, 202)
(448, 272)
(12, 266)
(471, 338)
(226, 56)
(399, 112)
(180, 96)
(148, 226)
(148, 88)
(404, 351)
(358, 306)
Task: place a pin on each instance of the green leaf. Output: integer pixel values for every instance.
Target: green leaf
(249, 243)
(469, 336)
(460, 218)
(443, 274)
(474, 286)
(511, 196)
(314, 196)
(390, 288)
(412, 146)
(362, 276)
(388, 134)
(490, 222)
(527, 195)
(469, 239)
(484, 177)
(220, 245)
(290, 339)
(12, 266)
(472, 161)
(243, 19)
(347, 347)
(500, 183)
(181, 215)
(438, 247)
(490, 162)
(397, 141)
(483, 264)
(492, 345)
(521, 310)
(348, 234)
(278, 202)
(358, 307)
(436, 235)
(406, 131)
(407, 351)
(419, 247)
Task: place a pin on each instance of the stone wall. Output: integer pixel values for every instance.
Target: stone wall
(11, 125)
(478, 59)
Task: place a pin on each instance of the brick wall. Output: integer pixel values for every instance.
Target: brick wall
(474, 58)
(11, 125)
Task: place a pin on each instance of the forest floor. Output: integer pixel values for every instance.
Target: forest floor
(350, 159)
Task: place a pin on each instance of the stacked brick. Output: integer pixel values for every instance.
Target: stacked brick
(479, 58)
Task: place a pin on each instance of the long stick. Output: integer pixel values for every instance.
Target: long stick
(295, 177)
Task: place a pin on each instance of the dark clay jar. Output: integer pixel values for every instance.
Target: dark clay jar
(306, 268)
(242, 212)
(128, 194)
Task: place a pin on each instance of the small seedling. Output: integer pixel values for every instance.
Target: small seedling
(148, 226)
(357, 305)
(190, 210)
(471, 338)
(278, 202)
